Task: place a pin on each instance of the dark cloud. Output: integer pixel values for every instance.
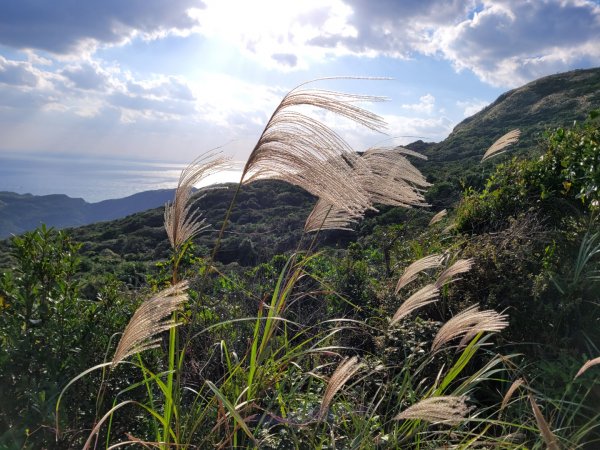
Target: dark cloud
(285, 59)
(394, 27)
(504, 42)
(60, 26)
(512, 42)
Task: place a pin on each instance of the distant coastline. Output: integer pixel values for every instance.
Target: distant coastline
(92, 178)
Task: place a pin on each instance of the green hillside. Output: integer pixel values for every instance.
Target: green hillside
(549, 102)
(478, 330)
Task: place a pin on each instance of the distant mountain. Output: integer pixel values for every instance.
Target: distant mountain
(23, 212)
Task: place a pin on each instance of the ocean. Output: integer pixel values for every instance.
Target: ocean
(91, 178)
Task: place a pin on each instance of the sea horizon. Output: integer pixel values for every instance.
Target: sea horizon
(92, 178)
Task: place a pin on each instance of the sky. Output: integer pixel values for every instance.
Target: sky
(168, 80)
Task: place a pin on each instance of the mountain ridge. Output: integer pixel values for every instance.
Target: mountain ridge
(24, 212)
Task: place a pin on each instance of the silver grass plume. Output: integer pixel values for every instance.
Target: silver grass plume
(424, 296)
(391, 179)
(347, 368)
(301, 150)
(548, 436)
(587, 365)
(181, 223)
(437, 217)
(326, 216)
(150, 319)
(444, 409)
(411, 272)
(460, 266)
(511, 390)
(502, 143)
(468, 324)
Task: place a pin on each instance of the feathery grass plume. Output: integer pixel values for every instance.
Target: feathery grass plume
(502, 143)
(347, 368)
(180, 224)
(411, 272)
(391, 179)
(326, 216)
(587, 365)
(449, 228)
(511, 390)
(150, 319)
(444, 409)
(548, 436)
(468, 324)
(424, 296)
(460, 266)
(439, 216)
(300, 150)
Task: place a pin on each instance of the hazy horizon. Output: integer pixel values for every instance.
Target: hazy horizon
(93, 179)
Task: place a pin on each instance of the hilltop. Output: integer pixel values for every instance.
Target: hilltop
(546, 103)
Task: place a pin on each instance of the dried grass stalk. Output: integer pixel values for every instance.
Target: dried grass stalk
(347, 368)
(438, 217)
(300, 150)
(548, 436)
(460, 266)
(150, 319)
(511, 390)
(181, 223)
(587, 365)
(424, 296)
(326, 216)
(411, 272)
(468, 324)
(502, 143)
(444, 409)
(390, 178)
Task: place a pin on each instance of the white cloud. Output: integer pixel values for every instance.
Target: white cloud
(426, 104)
(471, 106)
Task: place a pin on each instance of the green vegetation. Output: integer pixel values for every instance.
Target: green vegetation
(294, 340)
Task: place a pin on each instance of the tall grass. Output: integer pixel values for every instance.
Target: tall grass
(298, 385)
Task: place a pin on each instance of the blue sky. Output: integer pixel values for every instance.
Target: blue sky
(167, 80)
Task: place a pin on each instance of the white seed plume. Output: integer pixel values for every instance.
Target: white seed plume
(424, 296)
(502, 143)
(411, 272)
(548, 436)
(151, 318)
(300, 150)
(460, 266)
(347, 368)
(587, 365)
(391, 179)
(437, 217)
(326, 216)
(444, 409)
(181, 223)
(511, 390)
(468, 324)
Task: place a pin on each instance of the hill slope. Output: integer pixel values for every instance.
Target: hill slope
(552, 101)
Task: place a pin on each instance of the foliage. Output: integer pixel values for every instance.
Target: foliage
(48, 332)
